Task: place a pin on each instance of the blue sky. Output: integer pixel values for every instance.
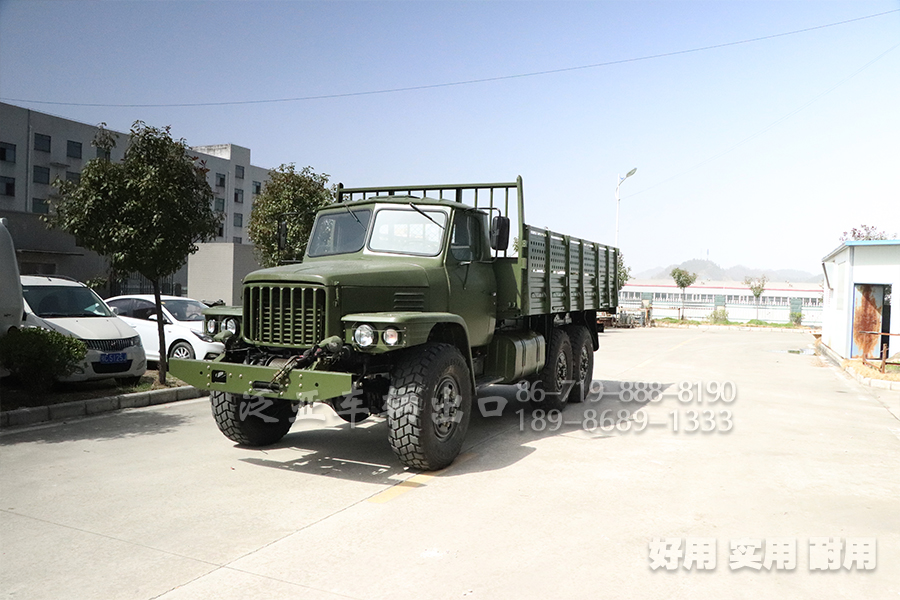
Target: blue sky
(822, 118)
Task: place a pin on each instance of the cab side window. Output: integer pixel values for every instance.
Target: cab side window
(466, 238)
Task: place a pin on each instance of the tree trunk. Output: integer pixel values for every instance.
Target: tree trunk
(160, 327)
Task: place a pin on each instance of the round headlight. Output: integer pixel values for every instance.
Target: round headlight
(231, 325)
(391, 336)
(364, 336)
(211, 326)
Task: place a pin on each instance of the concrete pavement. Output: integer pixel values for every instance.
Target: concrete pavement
(155, 503)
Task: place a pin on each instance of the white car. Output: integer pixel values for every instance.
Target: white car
(73, 309)
(185, 337)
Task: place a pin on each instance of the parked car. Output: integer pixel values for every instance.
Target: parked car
(185, 337)
(72, 308)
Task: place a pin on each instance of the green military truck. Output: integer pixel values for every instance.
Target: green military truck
(408, 301)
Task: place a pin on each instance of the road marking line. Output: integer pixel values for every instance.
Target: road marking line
(416, 481)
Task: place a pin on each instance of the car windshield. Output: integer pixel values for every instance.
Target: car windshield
(185, 310)
(408, 231)
(339, 232)
(49, 301)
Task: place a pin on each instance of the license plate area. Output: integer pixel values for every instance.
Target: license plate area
(113, 358)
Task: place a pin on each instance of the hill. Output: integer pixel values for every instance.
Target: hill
(710, 271)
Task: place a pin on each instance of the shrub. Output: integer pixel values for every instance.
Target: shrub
(38, 357)
(719, 316)
(797, 318)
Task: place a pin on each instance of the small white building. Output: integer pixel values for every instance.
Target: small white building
(859, 280)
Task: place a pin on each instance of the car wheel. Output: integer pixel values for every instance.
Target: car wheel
(181, 350)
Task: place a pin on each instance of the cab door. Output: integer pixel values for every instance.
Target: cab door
(473, 286)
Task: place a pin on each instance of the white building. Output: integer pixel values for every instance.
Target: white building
(859, 280)
(36, 148)
(775, 305)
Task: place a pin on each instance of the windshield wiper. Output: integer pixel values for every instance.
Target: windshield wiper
(421, 212)
(353, 214)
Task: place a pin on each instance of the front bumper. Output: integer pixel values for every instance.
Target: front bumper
(253, 380)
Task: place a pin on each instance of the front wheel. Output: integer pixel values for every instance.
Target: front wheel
(429, 405)
(181, 350)
(251, 420)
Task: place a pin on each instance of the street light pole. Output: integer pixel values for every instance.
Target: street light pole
(621, 179)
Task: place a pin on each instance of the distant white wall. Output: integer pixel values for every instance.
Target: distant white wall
(215, 271)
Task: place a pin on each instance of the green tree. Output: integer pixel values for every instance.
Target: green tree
(624, 272)
(683, 279)
(865, 232)
(145, 213)
(757, 286)
(295, 194)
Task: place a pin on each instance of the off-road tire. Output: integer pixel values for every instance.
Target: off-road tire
(582, 361)
(429, 405)
(556, 376)
(251, 420)
(182, 348)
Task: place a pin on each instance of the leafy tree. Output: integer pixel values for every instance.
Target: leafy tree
(288, 192)
(683, 279)
(145, 213)
(865, 232)
(757, 286)
(624, 272)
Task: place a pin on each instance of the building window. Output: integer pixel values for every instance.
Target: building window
(39, 205)
(7, 186)
(239, 196)
(238, 172)
(7, 152)
(220, 179)
(237, 240)
(73, 176)
(41, 174)
(257, 187)
(73, 149)
(219, 204)
(238, 220)
(221, 231)
(42, 142)
(103, 153)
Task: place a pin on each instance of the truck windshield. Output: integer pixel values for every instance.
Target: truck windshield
(407, 231)
(339, 232)
(49, 301)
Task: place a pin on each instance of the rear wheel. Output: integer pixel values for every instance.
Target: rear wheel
(582, 361)
(555, 378)
(429, 406)
(251, 420)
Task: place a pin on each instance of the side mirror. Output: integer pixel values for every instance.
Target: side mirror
(115, 310)
(282, 235)
(499, 233)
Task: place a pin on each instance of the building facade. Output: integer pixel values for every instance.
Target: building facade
(37, 148)
(775, 304)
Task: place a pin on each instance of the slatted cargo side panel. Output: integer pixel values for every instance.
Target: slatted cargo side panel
(536, 277)
(559, 291)
(589, 273)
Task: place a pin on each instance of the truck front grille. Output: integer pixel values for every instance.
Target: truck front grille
(287, 315)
